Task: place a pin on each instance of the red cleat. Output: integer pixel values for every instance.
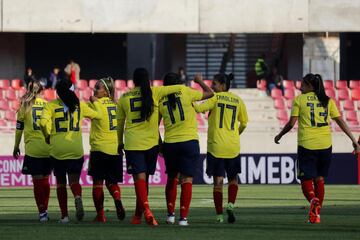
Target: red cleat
(99, 219)
(149, 217)
(136, 220)
(314, 216)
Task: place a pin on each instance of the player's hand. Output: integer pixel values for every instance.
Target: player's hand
(356, 148)
(93, 99)
(198, 78)
(120, 150)
(277, 139)
(16, 152)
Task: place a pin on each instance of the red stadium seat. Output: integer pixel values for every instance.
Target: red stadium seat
(10, 115)
(289, 93)
(354, 84)
(49, 94)
(341, 84)
(118, 94)
(4, 105)
(337, 102)
(16, 84)
(289, 103)
(298, 84)
(276, 93)
(343, 94)
(351, 116)
(130, 83)
(1, 95)
(15, 105)
(86, 94)
(209, 83)
(329, 84)
(279, 103)
(348, 105)
(21, 91)
(330, 92)
(4, 84)
(355, 94)
(261, 84)
(282, 115)
(81, 84)
(120, 84)
(11, 94)
(288, 84)
(92, 83)
(157, 82)
(3, 123)
(196, 86)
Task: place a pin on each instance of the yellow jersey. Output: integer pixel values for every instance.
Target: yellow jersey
(29, 122)
(227, 110)
(64, 128)
(140, 134)
(180, 123)
(103, 135)
(313, 121)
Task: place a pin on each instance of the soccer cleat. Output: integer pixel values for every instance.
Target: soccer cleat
(314, 211)
(64, 220)
(149, 218)
(183, 222)
(170, 218)
(120, 211)
(136, 220)
(230, 212)
(220, 218)
(99, 219)
(43, 217)
(79, 209)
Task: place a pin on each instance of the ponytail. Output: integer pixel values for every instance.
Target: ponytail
(224, 79)
(66, 95)
(172, 79)
(317, 83)
(141, 79)
(28, 99)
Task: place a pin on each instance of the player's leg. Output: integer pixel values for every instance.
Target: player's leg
(232, 168)
(98, 198)
(218, 197)
(61, 193)
(40, 196)
(185, 198)
(115, 192)
(74, 168)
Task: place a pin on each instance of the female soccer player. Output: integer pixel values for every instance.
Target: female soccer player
(37, 161)
(181, 143)
(313, 108)
(105, 162)
(227, 110)
(138, 112)
(61, 123)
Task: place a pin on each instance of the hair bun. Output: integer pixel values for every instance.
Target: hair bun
(231, 76)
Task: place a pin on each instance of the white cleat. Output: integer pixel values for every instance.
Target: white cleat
(43, 217)
(183, 222)
(170, 219)
(64, 220)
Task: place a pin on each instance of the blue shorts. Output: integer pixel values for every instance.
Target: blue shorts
(143, 161)
(217, 167)
(106, 167)
(68, 166)
(313, 163)
(37, 166)
(181, 157)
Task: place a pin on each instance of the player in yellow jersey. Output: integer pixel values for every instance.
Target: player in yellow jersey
(105, 162)
(227, 120)
(37, 162)
(181, 148)
(313, 110)
(138, 116)
(61, 123)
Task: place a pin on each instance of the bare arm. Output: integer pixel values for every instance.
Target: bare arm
(288, 126)
(344, 127)
(208, 93)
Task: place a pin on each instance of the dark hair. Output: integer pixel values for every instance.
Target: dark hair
(28, 99)
(109, 86)
(315, 80)
(141, 79)
(66, 95)
(224, 79)
(172, 79)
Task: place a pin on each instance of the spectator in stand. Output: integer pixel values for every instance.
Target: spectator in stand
(183, 77)
(54, 77)
(73, 70)
(275, 80)
(29, 76)
(261, 68)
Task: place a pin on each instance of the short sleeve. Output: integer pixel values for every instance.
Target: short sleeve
(206, 106)
(333, 111)
(90, 113)
(20, 118)
(295, 107)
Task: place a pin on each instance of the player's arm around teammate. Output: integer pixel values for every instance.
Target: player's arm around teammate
(181, 149)
(313, 109)
(105, 162)
(137, 115)
(227, 120)
(61, 121)
(36, 161)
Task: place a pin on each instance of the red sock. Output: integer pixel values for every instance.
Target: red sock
(62, 198)
(320, 190)
(39, 195)
(185, 199)
(138, 210)
(308, 189)
(76, 189)
(114, 190)
(46, 187)
(98, 198)
(218, 201)
(232, 192)
(170, 193)
(141, 194)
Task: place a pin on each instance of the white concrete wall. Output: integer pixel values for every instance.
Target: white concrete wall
(180, 16)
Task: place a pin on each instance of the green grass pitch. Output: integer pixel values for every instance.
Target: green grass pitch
(262, 211)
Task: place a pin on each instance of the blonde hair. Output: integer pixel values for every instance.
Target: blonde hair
(109, 86)
(28, 99)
